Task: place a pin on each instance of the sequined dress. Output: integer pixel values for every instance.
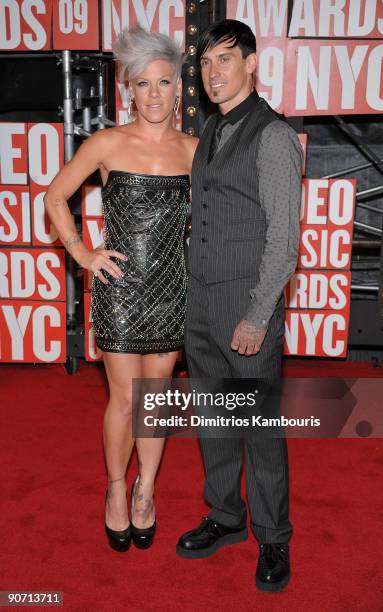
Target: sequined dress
(145, 219)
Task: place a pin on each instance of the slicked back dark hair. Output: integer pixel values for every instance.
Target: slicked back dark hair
(238, 33)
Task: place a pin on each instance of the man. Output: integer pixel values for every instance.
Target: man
(246, 186)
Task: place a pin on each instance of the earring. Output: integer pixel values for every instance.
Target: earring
(177, 105)
(130, 106)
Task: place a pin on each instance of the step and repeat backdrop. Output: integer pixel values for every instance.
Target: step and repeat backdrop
(32, 259)
(327, 61)
(299, 73)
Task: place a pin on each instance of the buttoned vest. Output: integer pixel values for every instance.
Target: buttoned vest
(228, 223)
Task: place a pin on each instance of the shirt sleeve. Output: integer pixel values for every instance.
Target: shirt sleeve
(279, 173)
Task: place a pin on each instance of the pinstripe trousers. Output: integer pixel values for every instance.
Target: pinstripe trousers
(213, 311)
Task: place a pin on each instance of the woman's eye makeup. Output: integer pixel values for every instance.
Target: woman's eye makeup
(162, 82)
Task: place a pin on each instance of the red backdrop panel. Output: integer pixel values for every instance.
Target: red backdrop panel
(15, 215)
(310, 18)
(318, 289)
(25, 25)
(319, 333)
(32, 274)
(270, 69)
(32, 331)
(332, 77)
(91, 201)
(266, 19)
(13, 153)
(327, 19)
(75, 24)
(92, 230)
(92, 223)
(318, 301)
(46, 152)
(157, 16)
(327, 223)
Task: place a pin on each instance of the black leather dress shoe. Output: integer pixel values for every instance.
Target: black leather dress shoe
(207, 539)
(273, 569)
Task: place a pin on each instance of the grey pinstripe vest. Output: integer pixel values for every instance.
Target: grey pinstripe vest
(228, 224)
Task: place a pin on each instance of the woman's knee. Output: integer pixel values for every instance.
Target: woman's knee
(121, 405)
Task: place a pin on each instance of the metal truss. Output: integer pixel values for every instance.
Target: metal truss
(377, 163)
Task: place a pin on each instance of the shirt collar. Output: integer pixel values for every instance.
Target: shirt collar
(242, 109)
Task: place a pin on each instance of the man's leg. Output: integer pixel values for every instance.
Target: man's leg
(266, 457)
(267, 488)
(223, 458)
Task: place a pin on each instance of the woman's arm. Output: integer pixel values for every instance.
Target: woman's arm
(87, 159)
(191, 144)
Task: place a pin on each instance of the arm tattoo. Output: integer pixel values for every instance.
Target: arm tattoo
(71, 241)
(60, 202)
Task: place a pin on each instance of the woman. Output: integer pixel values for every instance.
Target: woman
(138, 294)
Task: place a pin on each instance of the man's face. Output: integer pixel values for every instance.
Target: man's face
(227, 77)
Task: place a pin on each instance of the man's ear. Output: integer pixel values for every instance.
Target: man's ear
(251, 63)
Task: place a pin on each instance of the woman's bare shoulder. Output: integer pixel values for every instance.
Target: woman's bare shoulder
(109, 136)
(190, 142)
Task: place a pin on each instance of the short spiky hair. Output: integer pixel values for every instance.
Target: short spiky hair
(135, 48)
(237, 32)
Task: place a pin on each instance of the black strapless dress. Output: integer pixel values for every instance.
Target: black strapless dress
(145, 218)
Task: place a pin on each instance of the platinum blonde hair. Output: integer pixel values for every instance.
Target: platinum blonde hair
(135, 48)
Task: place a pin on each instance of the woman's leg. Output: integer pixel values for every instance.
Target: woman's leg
(120, 368)
(149, 450)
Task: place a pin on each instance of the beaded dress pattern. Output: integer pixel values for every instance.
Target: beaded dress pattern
(144, 312)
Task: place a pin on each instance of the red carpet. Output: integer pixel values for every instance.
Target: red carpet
(52, 492)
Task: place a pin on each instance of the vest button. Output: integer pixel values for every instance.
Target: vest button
(205, 188)
(203, 240)
(204, 205)
(204, 222)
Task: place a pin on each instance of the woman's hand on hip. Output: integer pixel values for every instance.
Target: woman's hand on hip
(100, 260)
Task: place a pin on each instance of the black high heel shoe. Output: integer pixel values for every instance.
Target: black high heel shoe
(142, 538)
(118, 540)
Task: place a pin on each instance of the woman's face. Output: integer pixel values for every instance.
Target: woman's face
(155, 91)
